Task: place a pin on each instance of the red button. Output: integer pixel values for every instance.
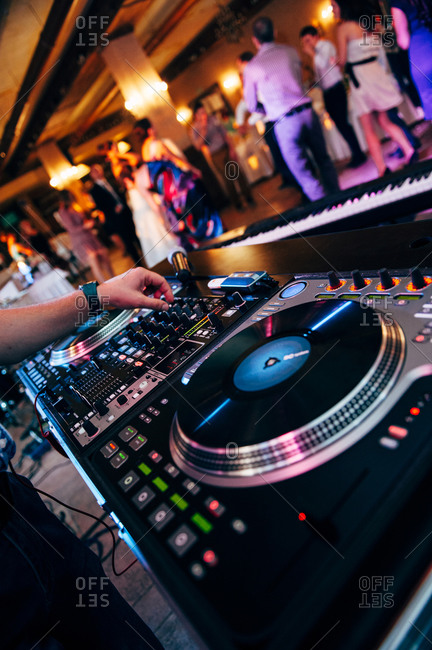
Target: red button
(397, 432)
(210, 558)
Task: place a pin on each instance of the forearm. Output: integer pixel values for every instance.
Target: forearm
(25, 330)
(28, 329)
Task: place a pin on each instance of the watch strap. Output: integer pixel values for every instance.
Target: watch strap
(89, 289)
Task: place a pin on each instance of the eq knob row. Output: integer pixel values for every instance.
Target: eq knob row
(418, 280)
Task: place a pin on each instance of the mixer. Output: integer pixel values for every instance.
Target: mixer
(261, 450)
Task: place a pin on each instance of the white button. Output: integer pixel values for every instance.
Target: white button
(390, 443)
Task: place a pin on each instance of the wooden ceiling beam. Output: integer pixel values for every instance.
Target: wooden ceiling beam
(168, 26)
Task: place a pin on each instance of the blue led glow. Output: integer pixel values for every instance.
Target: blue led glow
(332, 315)
(215, 412)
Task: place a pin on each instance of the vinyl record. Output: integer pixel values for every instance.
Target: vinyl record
(89, 336)
(294, 379)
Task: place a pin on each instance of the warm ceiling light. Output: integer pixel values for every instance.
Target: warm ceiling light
(184, 115)
(68, 174)
(81, 170)
(123, 146)
(231, 81)
(161, 85)
(327, 12)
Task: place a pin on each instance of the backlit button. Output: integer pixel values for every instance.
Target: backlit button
(239, 526)
(145, 418)
(210, 557)
(156, 412)
(420, 338)
(171, 470)
(156, 458)
(191, 486)
(109, 449)
(128, 433)
(137, 442)
(145, 469)
(178, 501)
(143, 497)
(150, 409)
(214, 506)
(197, 570)
(390, 443)
(128, 481)
(202, 523)
(398, 432)
(160, 517)
(182, 540)
(160, 484)
(164, 401)
(119, 459)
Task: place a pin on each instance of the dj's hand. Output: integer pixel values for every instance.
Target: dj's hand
(131, 289)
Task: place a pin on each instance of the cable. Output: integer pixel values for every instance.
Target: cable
(37, 412)
(82, 512)
(65, 505)
(51, 470)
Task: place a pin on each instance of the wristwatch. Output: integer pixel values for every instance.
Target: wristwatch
(89, 289)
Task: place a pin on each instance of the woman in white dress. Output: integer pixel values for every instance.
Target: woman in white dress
(155, 237)
(372, 87)
(156, 241)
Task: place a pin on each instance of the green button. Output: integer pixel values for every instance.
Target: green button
(122, 455)
(160, 484)
(202, 523)
(145, 469)
(179, 502)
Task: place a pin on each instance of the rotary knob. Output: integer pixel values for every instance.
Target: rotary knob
(417, 279)
(333, 281)
(386, 280)
(358, 280)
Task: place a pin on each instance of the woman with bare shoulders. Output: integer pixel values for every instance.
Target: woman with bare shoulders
(372, 87)
(412, 21)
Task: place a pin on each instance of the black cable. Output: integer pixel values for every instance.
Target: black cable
(82, 512)
(51, 470)
(65, 505)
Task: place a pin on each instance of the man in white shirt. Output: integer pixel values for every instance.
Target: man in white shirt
(274, 75)
(329, 77)
(242, 111)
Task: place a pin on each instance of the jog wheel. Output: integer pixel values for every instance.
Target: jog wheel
(286, 394)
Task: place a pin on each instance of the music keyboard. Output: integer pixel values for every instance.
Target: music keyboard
(392, 197)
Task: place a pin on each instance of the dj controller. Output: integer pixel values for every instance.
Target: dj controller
(265, 447)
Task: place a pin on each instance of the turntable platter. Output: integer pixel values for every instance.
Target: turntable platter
(275, 398)
(90, 335)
